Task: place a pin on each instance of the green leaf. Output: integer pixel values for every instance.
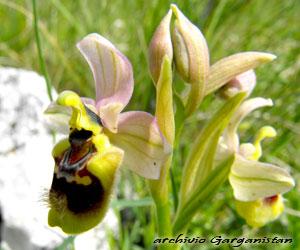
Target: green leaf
(201, 195)
(208, 136)
(120, 204)
(179, 116)
(207, 161)
(164, 101)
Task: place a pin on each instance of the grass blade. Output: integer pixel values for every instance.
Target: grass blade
(40, 53)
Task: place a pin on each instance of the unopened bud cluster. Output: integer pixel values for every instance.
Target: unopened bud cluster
(183, 44)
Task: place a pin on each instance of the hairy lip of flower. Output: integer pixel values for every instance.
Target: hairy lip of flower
(80, 198)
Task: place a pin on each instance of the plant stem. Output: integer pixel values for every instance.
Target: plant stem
(195, 98)
(174, 190)
(163, 218)
(160, 194)
(40, 53)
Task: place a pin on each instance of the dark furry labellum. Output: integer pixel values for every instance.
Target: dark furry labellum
(80, 198)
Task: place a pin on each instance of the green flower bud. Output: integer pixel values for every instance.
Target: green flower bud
(191, 57)
(190, 49)
(229, 67)
(160, 46)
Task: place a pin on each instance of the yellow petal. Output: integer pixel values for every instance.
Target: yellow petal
(260, 212)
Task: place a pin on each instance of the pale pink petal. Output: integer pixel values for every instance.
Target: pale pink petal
(57, 117)
(145, 148)
(88, 101)
(230, 134)
(112, 73)
(90, 104)
(244, 82)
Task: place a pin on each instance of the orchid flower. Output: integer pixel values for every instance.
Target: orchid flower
(257, 186)
(101, 139)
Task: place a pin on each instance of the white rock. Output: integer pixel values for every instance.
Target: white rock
(97, 239)
(26, 167)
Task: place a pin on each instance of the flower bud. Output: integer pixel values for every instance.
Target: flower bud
(191, 57)
(190, 49)
(229, 67)
(160, 46)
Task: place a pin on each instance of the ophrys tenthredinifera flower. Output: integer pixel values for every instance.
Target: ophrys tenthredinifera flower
(101, 138)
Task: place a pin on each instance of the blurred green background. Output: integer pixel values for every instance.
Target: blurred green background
(230, 26)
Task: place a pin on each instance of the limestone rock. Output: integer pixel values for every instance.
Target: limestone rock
(26, 167)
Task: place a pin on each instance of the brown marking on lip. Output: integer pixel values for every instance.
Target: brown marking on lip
(83, 172)
(79, 198)
(272, 199)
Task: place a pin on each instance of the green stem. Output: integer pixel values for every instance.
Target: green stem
(174, 190)
(40, 54)
(163, 218)
(195, 98)
(160, 194)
